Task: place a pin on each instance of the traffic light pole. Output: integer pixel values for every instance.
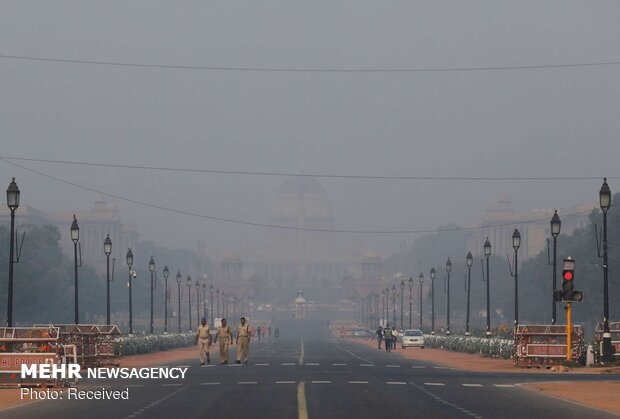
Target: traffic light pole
(569, 331)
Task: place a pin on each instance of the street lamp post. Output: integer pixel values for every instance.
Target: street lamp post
(433, 276)
(448, 270)
(204, 300)
(129, 259)
(402, 290)
(394, 304)
(487, 253)
(179, 297)
(470, 262)
(107, 249)
(189, 297)
(421, 279)
(12, 201)
(556, 225)
(410, 301)
(152, 271)
(516, 243)
(605, 203)
(211, 290)
(197, 286)
(75, 237)
(166, 297)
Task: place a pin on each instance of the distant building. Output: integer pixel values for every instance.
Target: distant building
(500, 221)
(95, 224)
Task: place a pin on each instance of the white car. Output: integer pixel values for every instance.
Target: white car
(413, 337)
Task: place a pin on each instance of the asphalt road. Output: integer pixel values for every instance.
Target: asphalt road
(305, 374)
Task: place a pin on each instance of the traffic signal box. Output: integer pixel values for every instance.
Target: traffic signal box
(568, 293)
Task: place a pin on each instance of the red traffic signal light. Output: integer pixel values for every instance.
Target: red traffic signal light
(568, 275)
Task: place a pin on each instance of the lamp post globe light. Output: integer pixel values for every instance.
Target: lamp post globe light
(556, 225)
(107, 249)
(433, 274)
(470, 261)
(605, 203)
(189, 296)
(421, 280)
(211, 306)
(179, 297)
(152, 271)
(12, 201)
(75, 237)
(448, 270)
(402, 290)
(166, 297)
(410, 300)
(394, 304)
(516, 243)
(487, 253)
(197, 286)
(129, 260)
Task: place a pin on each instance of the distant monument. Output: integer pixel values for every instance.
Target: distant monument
(300, 306)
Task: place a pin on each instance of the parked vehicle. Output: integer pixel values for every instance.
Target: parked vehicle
(413, 338)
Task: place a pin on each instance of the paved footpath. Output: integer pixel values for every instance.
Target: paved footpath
(308, 375)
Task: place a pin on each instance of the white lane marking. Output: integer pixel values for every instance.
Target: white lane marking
(171, 385)
(352, 354)
(285, 382)
(312, 363)
(395, 382)
(288, 363)
(441, 368)
(247, 382)
(209, 384)
(234, 365)
(503, 385)
(434, 384)
(393, 366)
(358, 382)
(339, 365)
(418, 366)
(262, 365)
(155, 403)
(366, 365)
(472, 385)
(321, 382)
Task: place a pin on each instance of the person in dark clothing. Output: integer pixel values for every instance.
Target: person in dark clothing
(379, 333)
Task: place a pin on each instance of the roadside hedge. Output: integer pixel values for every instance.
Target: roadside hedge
(140, 344)
(492, 347)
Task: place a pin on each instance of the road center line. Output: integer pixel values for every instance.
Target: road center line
(358, 382)
(247, 382)
(321, 382)
(395, 382)
(472, 385)
(288, 363)
(339, 365)
(301, 354)
(285, 382)
(262, 365)
(434, 384)
(302, 409)
(366, 365)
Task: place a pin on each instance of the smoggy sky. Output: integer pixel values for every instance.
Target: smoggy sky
(534, 122)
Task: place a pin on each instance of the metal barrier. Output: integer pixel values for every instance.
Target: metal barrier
(94, 343)
(614, 329)
(541, 345)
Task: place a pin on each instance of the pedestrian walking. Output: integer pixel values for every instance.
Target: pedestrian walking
(259, 330)
(244, 334)
(203, 340)
(379, 333)
(225, 336)
(394, 337)
(387, 337)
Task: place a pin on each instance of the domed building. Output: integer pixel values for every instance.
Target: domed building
(301, 253)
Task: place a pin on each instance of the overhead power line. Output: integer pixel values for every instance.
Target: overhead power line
(266, 225)
(310, 175)
(309, 69)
